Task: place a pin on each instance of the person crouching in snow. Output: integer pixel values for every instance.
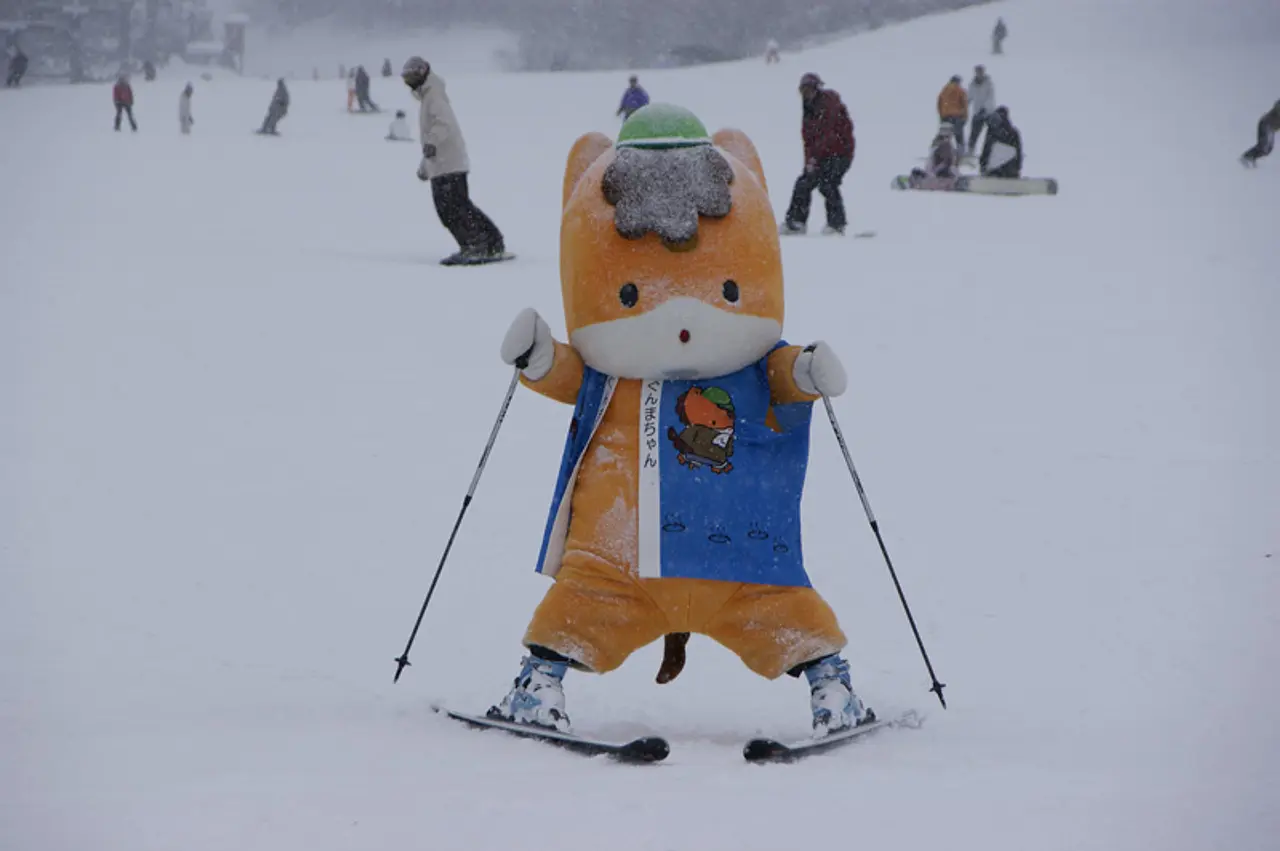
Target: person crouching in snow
(399, 131)
(944, 156)
(1002, 153)
(828, 153)
(1268, 126)
(185, 121)
(446, 165)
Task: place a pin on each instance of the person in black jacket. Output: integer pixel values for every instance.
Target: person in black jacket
(1268, 126)
(17, 67)
(362, 91)
(1002, 151)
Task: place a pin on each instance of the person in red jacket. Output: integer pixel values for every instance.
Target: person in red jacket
(828, 153)
(122, 95)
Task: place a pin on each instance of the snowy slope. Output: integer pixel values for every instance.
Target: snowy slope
(241, 405)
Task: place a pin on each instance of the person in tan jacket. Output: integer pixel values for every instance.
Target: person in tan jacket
(953, 107)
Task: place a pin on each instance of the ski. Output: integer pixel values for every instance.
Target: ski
(637, 751)
(772, 750)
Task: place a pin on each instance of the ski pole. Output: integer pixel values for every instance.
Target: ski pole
(875, 527)
(402, 661)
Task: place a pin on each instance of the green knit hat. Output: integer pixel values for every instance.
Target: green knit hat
(662, 125)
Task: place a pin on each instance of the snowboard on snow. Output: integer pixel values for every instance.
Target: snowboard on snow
(458, 260)
(772, 750)
(978, 185)
(645, 749)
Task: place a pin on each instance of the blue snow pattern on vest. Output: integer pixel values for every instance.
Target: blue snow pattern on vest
(741, 524)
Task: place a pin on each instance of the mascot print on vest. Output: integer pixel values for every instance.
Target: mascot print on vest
(677, 508)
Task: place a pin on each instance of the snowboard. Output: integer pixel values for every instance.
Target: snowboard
(455, 260)
(772, 750)
(645, 749)
(978, 185)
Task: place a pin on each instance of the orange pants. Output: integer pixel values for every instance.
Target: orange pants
(598, 615)
(351, 99)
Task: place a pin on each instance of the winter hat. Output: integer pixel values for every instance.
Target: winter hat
(662, 125)
(415, 71)
(811, 80)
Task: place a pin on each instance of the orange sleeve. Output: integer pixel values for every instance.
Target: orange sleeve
(783, 389)
(564, 380)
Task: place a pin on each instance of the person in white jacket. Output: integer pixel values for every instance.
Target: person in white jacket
(446, 165)
(399, 130)
(982, 103)
(184, 110)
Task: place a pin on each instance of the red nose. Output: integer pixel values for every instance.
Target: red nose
(684, 336)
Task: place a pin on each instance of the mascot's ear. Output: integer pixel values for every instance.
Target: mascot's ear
(736, 143)
(584, 152)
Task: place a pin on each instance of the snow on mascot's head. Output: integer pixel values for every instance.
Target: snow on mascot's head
(669, 259)
(671, 276)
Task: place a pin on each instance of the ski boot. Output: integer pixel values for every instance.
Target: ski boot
(832, 230)
(536, 696)
(834, 703)
(790, 228)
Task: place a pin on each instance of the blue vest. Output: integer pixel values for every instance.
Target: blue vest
(719, 491)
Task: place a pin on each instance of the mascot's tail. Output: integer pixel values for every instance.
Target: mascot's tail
(672, 657)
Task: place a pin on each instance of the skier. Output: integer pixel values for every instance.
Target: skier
(185, 121)
(771, 56)
(1268, 126)
(633, 98)
(278, 109)
(400, 131)
(827, 131)
(982, 100)
(386, 68)
(445, 164)
(1002, 152)
(149, 71)
(17, 68)
(998, 36)
(362, 91)
(351, 91)
(953, 107)
(122, 97)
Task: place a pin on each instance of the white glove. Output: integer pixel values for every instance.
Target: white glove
(530, 335)
(819, 372)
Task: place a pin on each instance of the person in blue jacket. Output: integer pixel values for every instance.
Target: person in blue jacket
(633, 98)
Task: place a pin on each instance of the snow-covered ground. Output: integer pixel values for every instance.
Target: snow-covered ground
(240, 404)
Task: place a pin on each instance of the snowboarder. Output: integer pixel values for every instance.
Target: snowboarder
(122, 97)
(1002, 152)
(278, 109)
(953, 107)
(185, 121)
(351, 91)
(641, 544)
(400, 131)
(362, 91)
(446, 165)
(982, 101)
(944, 154)
(633, 98)
(998, 36)
(386, 68)
(17, 68)
(827, 131)
(771, 55)
(1268, 126)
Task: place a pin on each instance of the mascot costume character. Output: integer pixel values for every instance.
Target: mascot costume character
(677, 508)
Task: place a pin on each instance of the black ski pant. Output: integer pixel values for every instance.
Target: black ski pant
(957, 126)
(125, 109)
(826, 177)
(1264, 146)
(366, 104)
(976, 127)
(473, 230)
(14, 78)
(274, 114)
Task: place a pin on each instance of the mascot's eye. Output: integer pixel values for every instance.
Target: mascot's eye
(628, 295)
(730, 291)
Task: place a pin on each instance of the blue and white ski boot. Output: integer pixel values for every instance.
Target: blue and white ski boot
(536, 696)
(834, 703)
